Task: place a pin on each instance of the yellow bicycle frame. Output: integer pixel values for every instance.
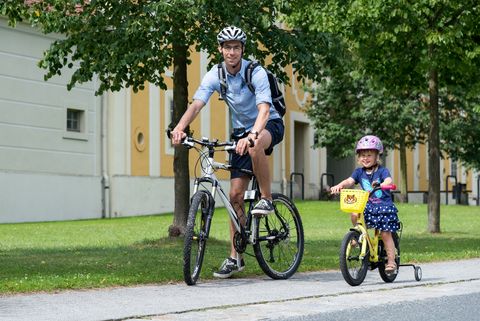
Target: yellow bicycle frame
(372, 243)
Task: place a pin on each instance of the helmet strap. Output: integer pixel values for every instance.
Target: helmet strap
(371, 168)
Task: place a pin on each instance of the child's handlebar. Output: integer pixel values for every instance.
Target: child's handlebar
(389, 187)
(376, 187)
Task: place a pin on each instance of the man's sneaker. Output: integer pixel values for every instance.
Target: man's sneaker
(229, 266)
(264, 207)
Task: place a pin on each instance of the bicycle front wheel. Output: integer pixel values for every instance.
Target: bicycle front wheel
(280, 241)
(196, 236)
(354, 268)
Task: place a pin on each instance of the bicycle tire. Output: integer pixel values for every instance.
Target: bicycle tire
(196, 235)
(280, 239)
(354, 269)
(388, 278)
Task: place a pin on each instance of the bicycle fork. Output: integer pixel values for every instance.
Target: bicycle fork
(363, 240)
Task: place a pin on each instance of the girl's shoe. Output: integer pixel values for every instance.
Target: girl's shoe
(390, 269)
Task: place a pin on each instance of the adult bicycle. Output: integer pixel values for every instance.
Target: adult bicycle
(277, 239)
(361, 251)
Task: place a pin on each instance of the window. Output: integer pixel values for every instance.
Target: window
(75, 124)
(453, 168)
(74, 120)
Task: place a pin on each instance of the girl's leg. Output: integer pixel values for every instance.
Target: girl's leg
(389, 247)
(354, 218)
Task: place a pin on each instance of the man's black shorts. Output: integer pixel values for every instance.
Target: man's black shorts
(276, 129)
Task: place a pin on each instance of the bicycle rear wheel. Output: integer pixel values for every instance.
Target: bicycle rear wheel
(196, 235)
(383, 259)
(280, 240)
(353, 267)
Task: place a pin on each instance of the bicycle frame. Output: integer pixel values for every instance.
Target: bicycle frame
(372, 243)
(250, 195)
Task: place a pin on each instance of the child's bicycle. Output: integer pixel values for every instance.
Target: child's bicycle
(277, 239)
(359, 251)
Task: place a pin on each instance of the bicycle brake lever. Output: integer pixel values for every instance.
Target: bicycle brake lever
(231, 148)
(188, 143)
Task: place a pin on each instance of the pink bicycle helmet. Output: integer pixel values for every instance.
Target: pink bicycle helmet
(369, 142)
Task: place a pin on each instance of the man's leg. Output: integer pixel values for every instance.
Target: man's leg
(238, 186)
(260, 163)
(235, 263)
(262, 173)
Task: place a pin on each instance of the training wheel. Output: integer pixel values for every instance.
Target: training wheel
(418, 273)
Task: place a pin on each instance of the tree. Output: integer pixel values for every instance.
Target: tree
(408, 46)
(345, 108)
(126, 43)
(459, 128)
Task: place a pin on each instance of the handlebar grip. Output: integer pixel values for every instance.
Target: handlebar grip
(389, 187)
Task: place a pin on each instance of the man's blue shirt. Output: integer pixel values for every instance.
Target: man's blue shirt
(242, 102)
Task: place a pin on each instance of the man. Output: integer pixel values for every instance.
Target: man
(252, 112)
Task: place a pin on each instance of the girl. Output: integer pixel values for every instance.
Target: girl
(380, 212)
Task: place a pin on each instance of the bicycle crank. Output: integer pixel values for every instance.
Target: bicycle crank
(239, 242)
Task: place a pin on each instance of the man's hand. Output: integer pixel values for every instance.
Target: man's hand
(242, 146)
(177, 136)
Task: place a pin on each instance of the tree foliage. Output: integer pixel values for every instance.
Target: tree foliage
(129, 42)
(424, 46)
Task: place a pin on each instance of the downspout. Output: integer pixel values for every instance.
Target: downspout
(283, 168)
(104, 143)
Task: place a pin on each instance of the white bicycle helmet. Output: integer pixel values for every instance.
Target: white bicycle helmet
(231, 33)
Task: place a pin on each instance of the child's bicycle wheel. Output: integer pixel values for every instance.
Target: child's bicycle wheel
(354, 268)
(383, 259)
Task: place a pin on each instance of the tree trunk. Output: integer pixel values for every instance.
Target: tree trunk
(403, 197)
(180, 160)
(433, 154)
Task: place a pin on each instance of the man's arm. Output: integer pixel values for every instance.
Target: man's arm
(262, 118)
(178, 132)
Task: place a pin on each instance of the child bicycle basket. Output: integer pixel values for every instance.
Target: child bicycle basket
(353, 200)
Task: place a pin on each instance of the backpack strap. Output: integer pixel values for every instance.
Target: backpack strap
(222, 76)
(248, 74)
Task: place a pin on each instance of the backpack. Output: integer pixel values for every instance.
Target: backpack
(277, 96)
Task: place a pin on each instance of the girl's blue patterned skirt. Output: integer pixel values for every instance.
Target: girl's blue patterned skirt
(382, 217)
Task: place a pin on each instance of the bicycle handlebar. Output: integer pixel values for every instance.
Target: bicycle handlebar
(190, 141)
(388, 187)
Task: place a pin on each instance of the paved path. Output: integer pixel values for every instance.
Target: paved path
(243, 299)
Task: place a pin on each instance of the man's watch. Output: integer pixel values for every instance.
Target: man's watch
(255, 133)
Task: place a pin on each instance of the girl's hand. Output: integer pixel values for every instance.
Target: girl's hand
(335, 189)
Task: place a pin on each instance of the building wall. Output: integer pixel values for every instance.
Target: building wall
(418, 178)
(47, 172)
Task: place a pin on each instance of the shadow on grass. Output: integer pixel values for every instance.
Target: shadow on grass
(148, 261)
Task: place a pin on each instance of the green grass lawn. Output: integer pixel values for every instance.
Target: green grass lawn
(128, 251)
